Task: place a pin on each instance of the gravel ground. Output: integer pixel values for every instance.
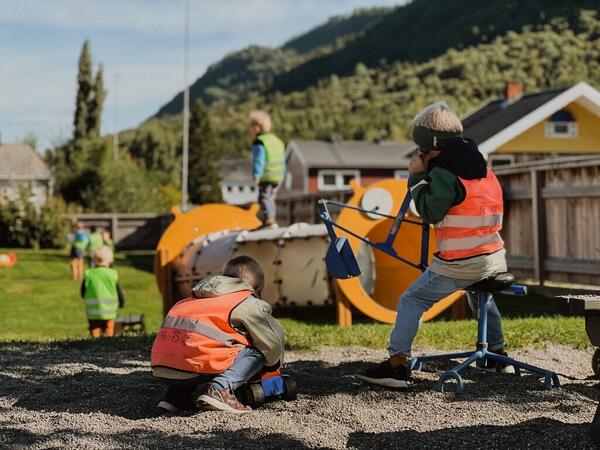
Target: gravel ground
(99, 395)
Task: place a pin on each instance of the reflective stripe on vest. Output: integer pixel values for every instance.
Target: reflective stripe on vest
(101, 297)
(274, 158)
(472, 227)
(196, 336)
(182, 323)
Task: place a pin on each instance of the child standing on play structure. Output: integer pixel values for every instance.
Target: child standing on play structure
(268, 164)
(216, 340)
(102, 294)
(453, 188)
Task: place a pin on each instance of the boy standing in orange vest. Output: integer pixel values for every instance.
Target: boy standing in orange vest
(452, 188)
(216, 340)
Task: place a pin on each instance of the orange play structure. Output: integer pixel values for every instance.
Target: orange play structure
(200, 241)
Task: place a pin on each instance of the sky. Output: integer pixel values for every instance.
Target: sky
(140, 45)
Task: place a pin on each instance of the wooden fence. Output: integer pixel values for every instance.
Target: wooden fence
(300, 207)
(130, 231)
(552, 219)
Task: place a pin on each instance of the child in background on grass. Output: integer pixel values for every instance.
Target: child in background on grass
(95, 242)
(80, 243)
(216, 340)
(106, 239)
(102, 294)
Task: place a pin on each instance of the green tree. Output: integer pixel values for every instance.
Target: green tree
(84, 91)
(204, 159)
(96, 100)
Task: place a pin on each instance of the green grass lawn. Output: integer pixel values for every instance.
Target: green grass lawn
(39, 302)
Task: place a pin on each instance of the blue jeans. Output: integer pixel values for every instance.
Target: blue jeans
(428, 289)
(247, 363)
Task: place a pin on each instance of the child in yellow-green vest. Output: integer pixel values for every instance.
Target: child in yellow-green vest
(106, 240)
(95, 243)
(102, 294)
(268, 164)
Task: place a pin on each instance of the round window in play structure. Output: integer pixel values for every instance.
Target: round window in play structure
(378, 200)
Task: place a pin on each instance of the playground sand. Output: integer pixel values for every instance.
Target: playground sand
(95, 396)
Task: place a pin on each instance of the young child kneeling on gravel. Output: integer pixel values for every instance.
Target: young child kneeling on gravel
(216, 340)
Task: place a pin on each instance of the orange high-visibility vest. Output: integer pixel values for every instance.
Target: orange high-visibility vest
(196, 335)
(472, 227)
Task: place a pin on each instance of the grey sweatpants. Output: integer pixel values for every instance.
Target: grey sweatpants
(266, 199)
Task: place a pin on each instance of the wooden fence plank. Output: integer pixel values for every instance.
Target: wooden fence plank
(538, 225)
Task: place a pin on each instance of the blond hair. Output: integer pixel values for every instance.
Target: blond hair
(103, 256)
(439, 117)
(261, 119)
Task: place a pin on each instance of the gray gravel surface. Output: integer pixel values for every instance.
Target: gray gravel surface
(100, 395)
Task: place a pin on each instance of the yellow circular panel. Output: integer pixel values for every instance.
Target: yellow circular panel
(393, 276)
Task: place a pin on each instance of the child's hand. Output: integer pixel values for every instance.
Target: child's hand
(416, 164)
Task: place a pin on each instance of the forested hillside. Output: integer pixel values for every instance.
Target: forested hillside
(337, 27)
(424, 29)
(378, 102)
(254, 68)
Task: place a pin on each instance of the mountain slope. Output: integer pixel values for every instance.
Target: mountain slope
(337, 27)
(253, 68)
(424, 29)
(379, 102)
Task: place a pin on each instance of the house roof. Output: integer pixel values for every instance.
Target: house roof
(237, 170)
(498, 121)
(352, 154)
(20, 161)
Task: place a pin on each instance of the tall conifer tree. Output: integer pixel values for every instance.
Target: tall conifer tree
(95, 105)
(84, 90)
(204, 159)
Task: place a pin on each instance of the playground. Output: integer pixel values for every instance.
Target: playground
(101, 395)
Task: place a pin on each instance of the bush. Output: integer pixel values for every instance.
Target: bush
(23, 226)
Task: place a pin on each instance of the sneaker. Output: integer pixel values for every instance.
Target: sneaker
(220, 400)
(168, 407)
(490, 365)
(384, 374)
(176, 400)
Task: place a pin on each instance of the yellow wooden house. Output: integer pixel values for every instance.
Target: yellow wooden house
(519, 127)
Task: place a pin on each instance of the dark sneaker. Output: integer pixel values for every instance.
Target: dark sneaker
(168, 407)
(490, 365)
(384, 374)
(220, 400)
(176, 400)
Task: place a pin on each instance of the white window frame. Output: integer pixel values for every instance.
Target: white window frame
(339, 179)
(509, 158)
(572, 130)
